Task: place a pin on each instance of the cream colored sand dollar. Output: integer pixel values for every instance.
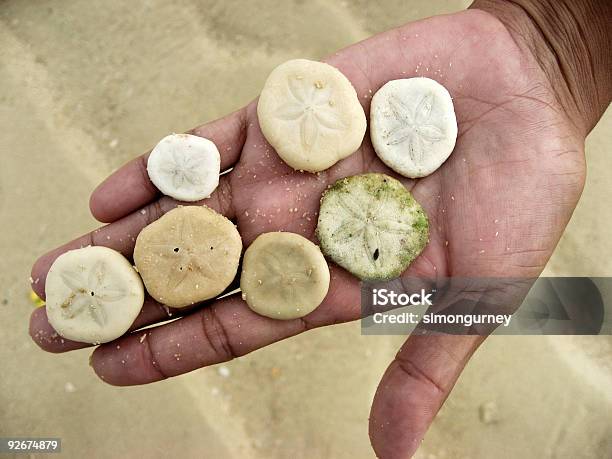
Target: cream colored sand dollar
(371, 226)
(310, 113)
(185, 167)
(93, 295)
(413, 126)
(189, 255)
(284, 276)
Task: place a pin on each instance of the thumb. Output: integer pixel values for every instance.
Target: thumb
(413, 389)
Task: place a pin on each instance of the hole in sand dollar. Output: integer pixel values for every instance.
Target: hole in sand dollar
(192, 273)
(363, 215)
(92, 315)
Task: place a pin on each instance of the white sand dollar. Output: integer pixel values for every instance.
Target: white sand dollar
(284, 276)
(93, 295)
(371, 226)
(185, 167)
(413, 126)
(189, 255)
(310, 113)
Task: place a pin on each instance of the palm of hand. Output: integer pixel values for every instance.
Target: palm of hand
(499, 203)
(497, 207)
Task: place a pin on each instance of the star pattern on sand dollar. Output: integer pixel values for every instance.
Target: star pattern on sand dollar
(187, 254)
(184, 169)
(310, 106)
(363, 224)
(414, 127)
(284, 272)
(89, 293)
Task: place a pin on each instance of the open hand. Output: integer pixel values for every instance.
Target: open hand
(497, 207)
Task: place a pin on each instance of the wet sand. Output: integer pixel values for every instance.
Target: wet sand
(86, 86)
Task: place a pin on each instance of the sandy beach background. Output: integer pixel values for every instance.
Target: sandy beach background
(85, 86)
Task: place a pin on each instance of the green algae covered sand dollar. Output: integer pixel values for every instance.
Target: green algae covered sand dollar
(371, 226)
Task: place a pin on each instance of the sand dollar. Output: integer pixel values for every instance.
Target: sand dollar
(284, 276)
(185, 167)
(189, 255)
(310, 113)
(371, 226)
(93, 295)
(413, 126)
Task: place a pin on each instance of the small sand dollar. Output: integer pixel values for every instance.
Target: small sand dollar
(413, 126)
(371, 226)
(284, 276)
(189, 255)
(310, 113)
(93, 295)
(185, 167)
